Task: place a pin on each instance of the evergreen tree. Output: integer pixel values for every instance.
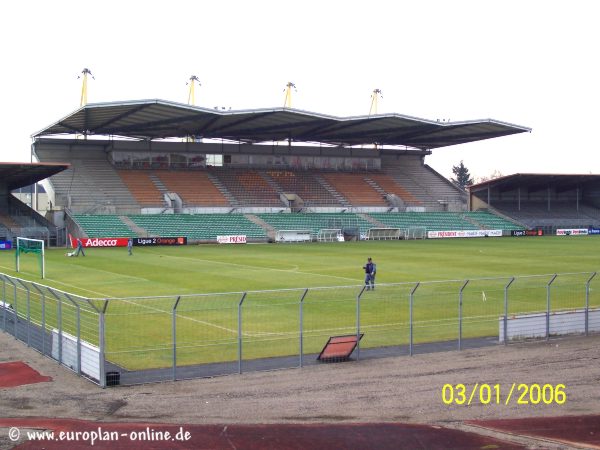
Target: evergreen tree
(463, 177)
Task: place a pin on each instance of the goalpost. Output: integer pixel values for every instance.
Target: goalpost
(293, 236)
(377, 234)
(330, 235)
(35, 246)
(415, 233)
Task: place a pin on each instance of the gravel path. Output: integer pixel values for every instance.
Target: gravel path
(400, 389)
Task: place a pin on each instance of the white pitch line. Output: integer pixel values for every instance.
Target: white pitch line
(246, 266)
(145, 306)
(230, 330)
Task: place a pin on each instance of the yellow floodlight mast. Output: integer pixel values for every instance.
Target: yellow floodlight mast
(374, 99)
(375, 95)
(85, 73)
(192, 101)
(287, 103)
(191, 93)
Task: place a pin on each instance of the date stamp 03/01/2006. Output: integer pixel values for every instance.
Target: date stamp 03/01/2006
(496, 394)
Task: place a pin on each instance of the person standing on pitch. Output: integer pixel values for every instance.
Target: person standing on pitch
(373, 273)
(79, 248)
(130, 246)
(368, 273)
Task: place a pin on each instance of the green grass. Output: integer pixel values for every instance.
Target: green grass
(139, 331)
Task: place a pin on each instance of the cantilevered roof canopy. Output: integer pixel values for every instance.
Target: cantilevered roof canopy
(18, 175)
(536, 182)
(158, 119)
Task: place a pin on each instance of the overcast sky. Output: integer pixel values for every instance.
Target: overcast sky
(530, 63)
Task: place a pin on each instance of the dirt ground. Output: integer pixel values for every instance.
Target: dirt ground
(400, 389)
(406, 389)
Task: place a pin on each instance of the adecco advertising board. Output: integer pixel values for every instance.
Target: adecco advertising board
(122, 242)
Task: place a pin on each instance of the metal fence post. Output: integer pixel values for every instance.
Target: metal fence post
(460, 302)
(15, 308)
(548, 306)
(43, 295)
(58, 324)
(358, 322)
(174, 331)
(102, 342)
(78, 328)
(28, 297)
(240, 332)
(100, 339)
(4, 299)
(410, 318)
(587, 303)
(506, 310)
(60, 328)
(43, 301)
(302, 326)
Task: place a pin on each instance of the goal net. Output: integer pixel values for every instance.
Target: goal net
(378, 234)
(330, 235)
(293, 236)
(30, 246)
(415, 233)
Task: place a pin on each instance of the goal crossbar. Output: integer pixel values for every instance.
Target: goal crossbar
(293, 236)
(383, 233)
(330, 235)
(27, 245)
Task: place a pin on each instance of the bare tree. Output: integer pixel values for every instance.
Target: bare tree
(495, 174)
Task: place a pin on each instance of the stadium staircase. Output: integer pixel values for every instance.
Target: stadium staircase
(338, 198)
(269, 230)
(316, 221)
(386, 185)
(303, 184)
(158, 183)
(433, 191)
(355, 189)
(376, 223)
(142, 188)
(193, 187)
(139, 231)
(103, 226)
(246, 187)
(200, 227)
(91, 183)
(223, 190)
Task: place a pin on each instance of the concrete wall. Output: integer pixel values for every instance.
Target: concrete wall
(528, 326)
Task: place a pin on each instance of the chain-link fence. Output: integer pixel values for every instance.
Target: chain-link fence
(147, 339)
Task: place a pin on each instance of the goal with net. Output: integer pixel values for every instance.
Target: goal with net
(376, 234)
(415, 233)
(33, 246)
(293, 236)
(330, 235)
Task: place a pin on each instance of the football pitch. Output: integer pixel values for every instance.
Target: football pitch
(139, 329)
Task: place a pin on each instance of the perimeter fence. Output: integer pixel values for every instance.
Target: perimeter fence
(148, 339)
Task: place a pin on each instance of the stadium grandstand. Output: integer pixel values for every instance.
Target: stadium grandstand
(542, 201)
(17, 218)
(158, 168)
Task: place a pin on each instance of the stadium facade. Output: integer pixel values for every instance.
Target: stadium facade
(157, 168)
